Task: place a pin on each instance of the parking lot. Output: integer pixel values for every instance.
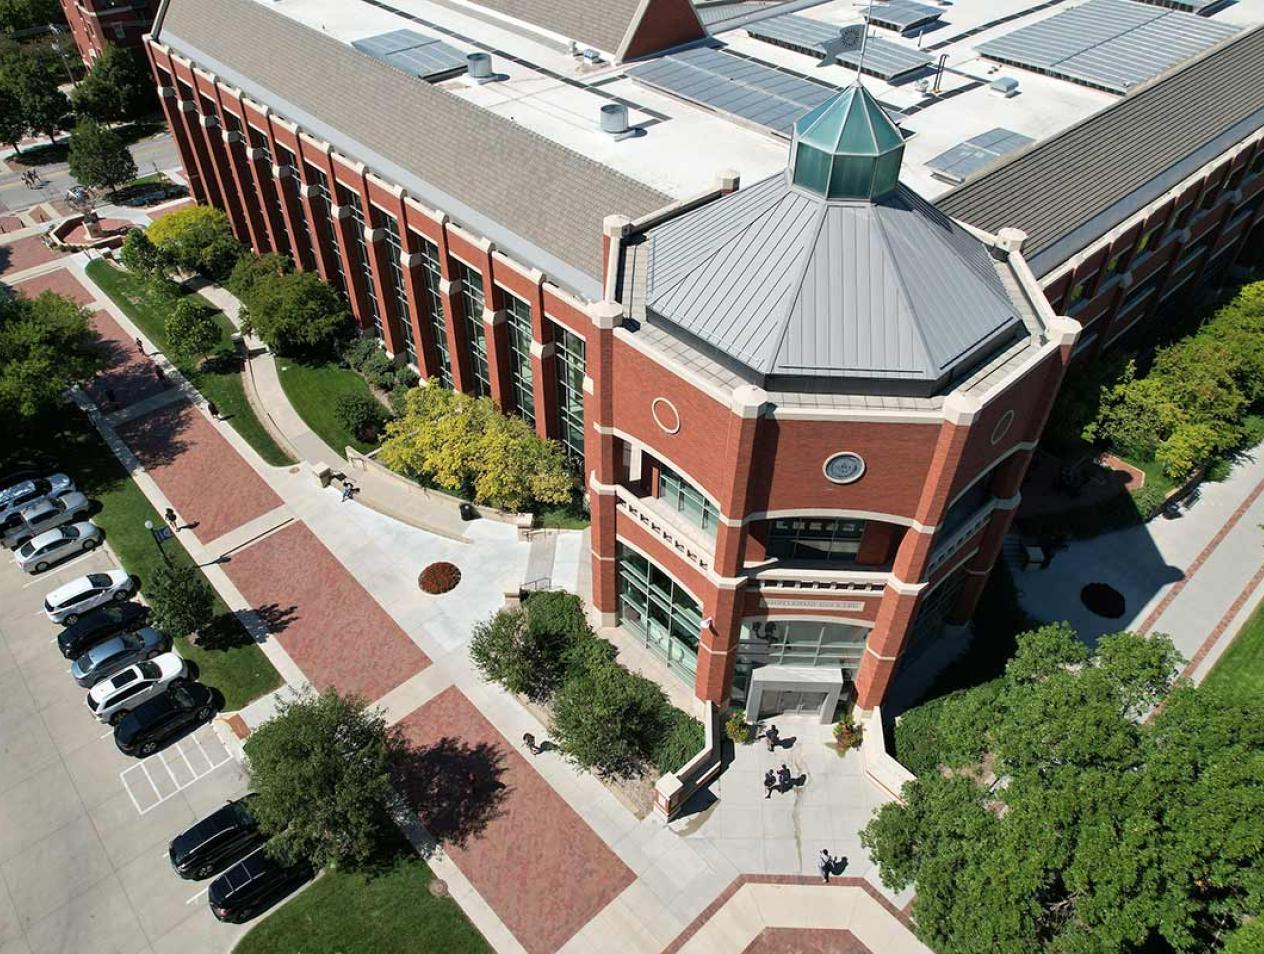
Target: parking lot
(83, 828)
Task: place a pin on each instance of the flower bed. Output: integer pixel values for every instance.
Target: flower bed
(439, 578)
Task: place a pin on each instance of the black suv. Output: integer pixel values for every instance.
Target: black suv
(151, 724)
(100, 624)
(216, 841)
(254, 884)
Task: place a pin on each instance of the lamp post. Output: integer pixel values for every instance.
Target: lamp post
(157, 535)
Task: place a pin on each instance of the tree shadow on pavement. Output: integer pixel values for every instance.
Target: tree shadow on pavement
(277, 617)
(155, 437)
(455, 788)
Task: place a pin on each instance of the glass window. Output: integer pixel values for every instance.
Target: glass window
(797, 642)
(829, 539)
(322, 209)
(520, 357)
(569, 349)
(686, 499)
(359, 252)
(433, 306)
(665, 617)
(394, 250)
(472, 305)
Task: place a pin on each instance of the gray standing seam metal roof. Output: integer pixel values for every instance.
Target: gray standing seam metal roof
(885, 59)
(793, 286)
(414, 53)
(1071, 189)
(539, 201)
(901, 15)
(1202, 7)
(966, 158)
(1114, 45)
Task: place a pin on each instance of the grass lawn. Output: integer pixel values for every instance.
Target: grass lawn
(388, 912)
(1240, 671)
(314, 390)
(564, 518)
(237, 667)
(219, 383)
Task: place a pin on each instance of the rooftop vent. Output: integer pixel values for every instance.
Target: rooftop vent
(614, 120)
(478, 67)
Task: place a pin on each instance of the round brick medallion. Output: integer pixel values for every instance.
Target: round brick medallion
(844, 468)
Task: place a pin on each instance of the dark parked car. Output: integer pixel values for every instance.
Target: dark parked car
(254, 884)
(117, 653)
(216, 841)
(154, 723)
(99, 625)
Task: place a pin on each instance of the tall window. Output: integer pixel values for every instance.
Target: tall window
(360, 252)
(666, 618)
(258, 139)
(520, 357)
(472, 310)
(569, 349)
(433, 306)
(291, 183)
(686, 499)
(811, 538)
(394, 251)
(322, 206)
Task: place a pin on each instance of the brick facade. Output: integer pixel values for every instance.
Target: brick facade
(94, 23)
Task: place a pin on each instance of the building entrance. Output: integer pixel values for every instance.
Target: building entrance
(789, 702)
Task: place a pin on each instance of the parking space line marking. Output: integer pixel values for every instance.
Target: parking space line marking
(186, 761)
(60, 567)
(158, 795)
(174, 781)
(127, 788)
(198, 895)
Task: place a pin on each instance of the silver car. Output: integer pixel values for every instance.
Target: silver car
(46, 515)
(105, 659)
(18, 496)
(37, 555)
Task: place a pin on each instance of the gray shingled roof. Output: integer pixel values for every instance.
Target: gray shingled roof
(1073, 188)
(795, 287)
(599, 23)
(539, 201)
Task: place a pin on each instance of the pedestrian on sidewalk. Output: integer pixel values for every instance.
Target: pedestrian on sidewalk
(140, 346)
(784, 780)
(160, 375)
(348, 489)
(171, 518)
(213, 408)
(770, 782)
(110, 401)
(825, 864)
(773, 737)
(529, 741)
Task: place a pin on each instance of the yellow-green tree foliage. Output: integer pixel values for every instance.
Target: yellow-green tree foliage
(464, 445)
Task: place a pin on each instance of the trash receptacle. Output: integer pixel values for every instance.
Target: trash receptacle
(468, 512)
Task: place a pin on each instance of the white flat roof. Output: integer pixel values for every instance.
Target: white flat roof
(680, 147)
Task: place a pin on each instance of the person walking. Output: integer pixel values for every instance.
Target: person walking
(160, 375)
(772, 736)
(529, 741)
(348, 488)
(213, 408)
(770, 782)
(784, 779)
(110, 400)
(140, 346)
(171, 518)
(825, 864)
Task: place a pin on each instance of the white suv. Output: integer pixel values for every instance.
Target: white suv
(68, 602)
(111, 699)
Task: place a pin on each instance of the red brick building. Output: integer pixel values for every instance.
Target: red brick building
(804, 404)
(95, 23)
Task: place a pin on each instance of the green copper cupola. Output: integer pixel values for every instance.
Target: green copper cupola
(847, 148)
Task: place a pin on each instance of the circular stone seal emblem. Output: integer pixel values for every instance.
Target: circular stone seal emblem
(845, 468)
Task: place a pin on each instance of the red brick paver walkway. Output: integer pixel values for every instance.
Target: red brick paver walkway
(157, 214)
(25, 253)
(206, 481)
(805, 941)
(130, 375)
(328, 623)
(62, 281)
(530, 856)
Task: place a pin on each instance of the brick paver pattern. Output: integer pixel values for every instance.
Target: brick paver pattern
(62, 281)
(25, 253)
(157, 214)
(526, 852)
(775, 940)
(207, 482)
(332, 628)
(130, 375)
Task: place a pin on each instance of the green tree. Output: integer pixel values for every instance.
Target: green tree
(298, 315)
(1082, 828)
(139, 255)
(181, 600)
(98, 156)
(526, 651)
(198, 238)
(191, 330)
(19, 15)
(466, 446)
(252, 269)
(46, 345)
(361, 414)
(118, 87)
(12, 123)
(321, 773)
(33, 86)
